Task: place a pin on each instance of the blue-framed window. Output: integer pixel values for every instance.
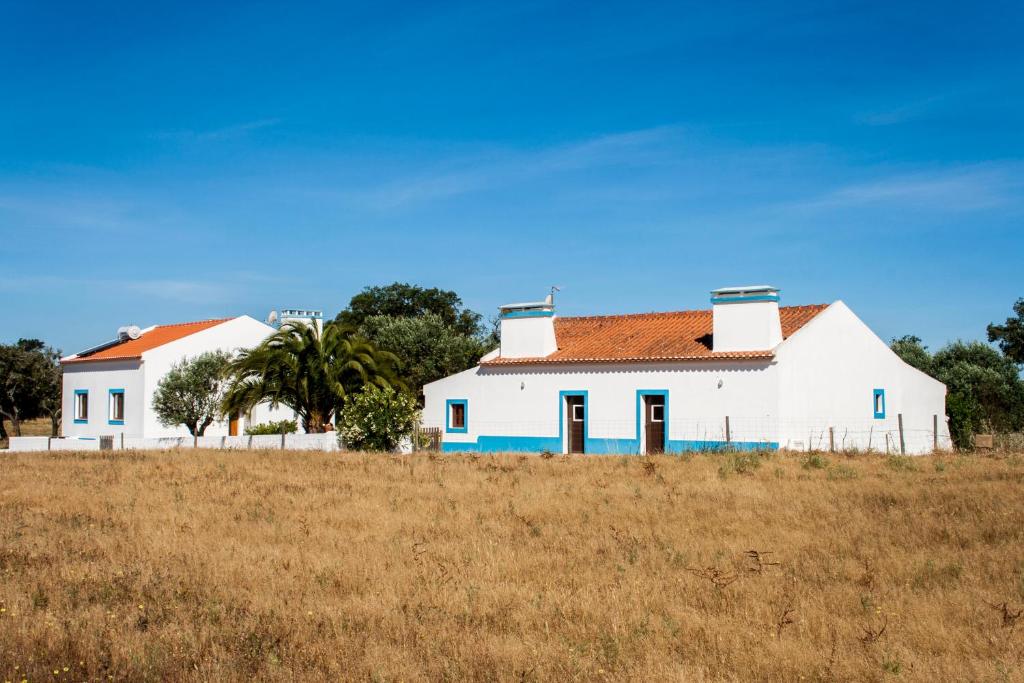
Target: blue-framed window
(115, 409)
(81, 406)
(456, 416)
(878, 403)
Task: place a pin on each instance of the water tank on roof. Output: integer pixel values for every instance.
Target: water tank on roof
(128, 332)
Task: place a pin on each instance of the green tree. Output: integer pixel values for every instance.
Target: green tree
(30, 384)
(428, 348)
(192, 391)
(308, 370)
(377, 419)
(402, 300)
(913, 352)
(1010, 335)
(985, 391)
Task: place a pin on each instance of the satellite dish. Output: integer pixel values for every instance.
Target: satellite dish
(272, 318)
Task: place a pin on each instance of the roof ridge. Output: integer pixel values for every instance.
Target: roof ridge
(193, 322)
(652, 314)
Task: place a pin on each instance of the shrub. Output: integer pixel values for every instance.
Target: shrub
(901, 463)
(377, 419)
(842, 472)
(280, 427)
(814, 461)
(739, 463)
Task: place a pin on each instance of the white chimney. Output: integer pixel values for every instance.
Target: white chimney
(746, 318)
(528, 329)
(304, 316)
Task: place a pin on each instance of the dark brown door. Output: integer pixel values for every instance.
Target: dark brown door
(654, 423)
(577, 423)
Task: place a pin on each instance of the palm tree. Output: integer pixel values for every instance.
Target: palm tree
(309, 371)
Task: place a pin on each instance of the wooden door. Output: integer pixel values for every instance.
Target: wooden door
(654, 423)
(233, 425)
(577, 423)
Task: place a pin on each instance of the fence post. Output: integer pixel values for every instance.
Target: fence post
(48, 440)
(223, 442)
(831, 440)
(935, 432)
(282, 440)
(122, 441)
(195, 441)
(728, 432)
(903, 444)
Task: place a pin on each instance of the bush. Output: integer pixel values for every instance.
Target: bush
(281, 427)
(814, 461)
(377, 419)
(739, 463)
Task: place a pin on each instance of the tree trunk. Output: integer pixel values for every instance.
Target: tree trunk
(55, 424)
(3, 430)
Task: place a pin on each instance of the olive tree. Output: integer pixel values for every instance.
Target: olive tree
(192, 392)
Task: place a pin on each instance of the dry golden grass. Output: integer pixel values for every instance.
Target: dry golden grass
(298, 566)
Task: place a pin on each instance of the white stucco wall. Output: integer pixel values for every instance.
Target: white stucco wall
(98, 378)
(528, 337)
(828, 371)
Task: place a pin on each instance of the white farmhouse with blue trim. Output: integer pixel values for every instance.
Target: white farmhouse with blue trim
(745, 374)
(108, 389)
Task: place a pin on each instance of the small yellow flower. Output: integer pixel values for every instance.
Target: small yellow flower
(65, 668)
(309, 614)
(142, 607)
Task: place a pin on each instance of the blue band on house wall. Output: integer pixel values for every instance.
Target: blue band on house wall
(527, 314)
(744, 299)
(599, 446)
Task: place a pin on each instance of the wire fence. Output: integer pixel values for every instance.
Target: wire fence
(899, 434)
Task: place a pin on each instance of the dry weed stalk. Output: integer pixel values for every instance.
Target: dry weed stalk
(1008, 615)
(760, 559)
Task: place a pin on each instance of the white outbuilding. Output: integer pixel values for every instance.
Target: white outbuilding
(745, 374)
(108, 389)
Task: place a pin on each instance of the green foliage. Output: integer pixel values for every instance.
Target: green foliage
(428, 347)
(815, 461)
(402, 300)
(984, 388)
(377, 419)
(309, 371)
(910, 349)
(739, 462)
(30, 384)
(1010, 335)
(279, 427)
(191, 392)
(901, 463)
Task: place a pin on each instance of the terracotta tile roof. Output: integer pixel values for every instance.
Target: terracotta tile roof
(134, 348)
(646, 337)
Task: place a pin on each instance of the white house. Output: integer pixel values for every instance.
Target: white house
(108, 389)
(745, 374)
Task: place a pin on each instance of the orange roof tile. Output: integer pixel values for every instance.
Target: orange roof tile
(646, 337)
(134, 348)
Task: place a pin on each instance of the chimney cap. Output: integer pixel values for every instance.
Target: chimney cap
(749, 289)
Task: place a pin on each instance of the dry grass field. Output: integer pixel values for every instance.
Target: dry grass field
(297, 566)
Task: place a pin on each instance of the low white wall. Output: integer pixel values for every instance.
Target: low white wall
(292, 442)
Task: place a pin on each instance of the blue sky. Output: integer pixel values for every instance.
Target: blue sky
(170, 162)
